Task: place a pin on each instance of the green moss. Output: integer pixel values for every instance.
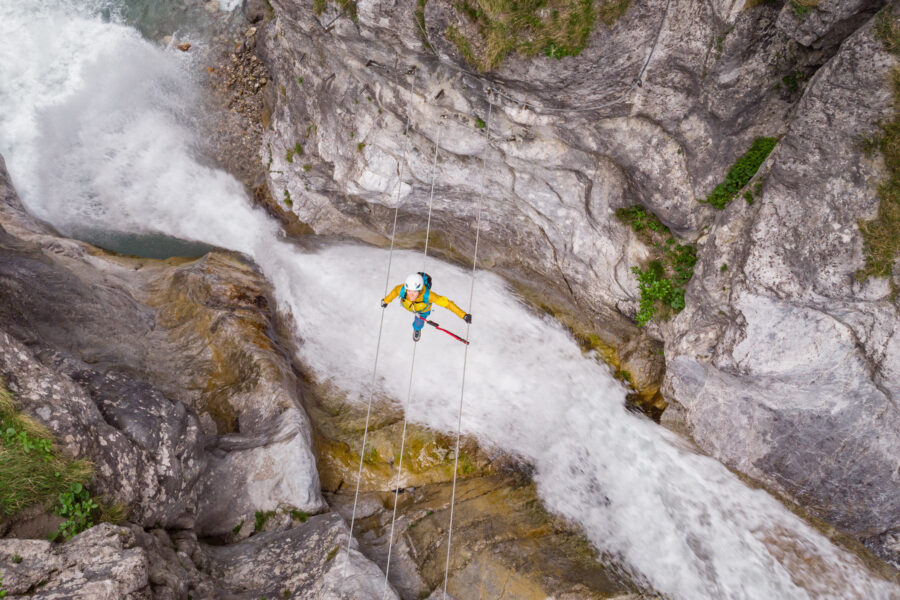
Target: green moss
(881, 236)
(801, 8)
(287, 198)
(663, 282)
(741, 172)
(360, 146)
(479, 123)
(299, 515)
(371, 457)
(237, 528)
(307, 167)
(792, 81)
(332, 553)
(262, 517)
(465, 465)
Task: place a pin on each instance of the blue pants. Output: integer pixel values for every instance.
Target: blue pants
(419, 320)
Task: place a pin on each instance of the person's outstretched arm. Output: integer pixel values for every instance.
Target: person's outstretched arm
(390, 297)
(448, 304)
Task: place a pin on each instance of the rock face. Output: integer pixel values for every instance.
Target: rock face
(778, 361)
(102, 563)
(108, 562)
(808, 358)
(159, 373)
(166, 376)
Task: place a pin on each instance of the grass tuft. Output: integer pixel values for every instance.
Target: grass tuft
(741, 172)
(801, 8)
(31, 470)
(262, 517)
(555, 28)
(881, 236)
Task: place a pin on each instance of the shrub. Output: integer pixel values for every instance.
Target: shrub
(662, 284)
(741, 172)
(79, 510)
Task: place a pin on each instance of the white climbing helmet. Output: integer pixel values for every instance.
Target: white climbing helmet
(415, 282)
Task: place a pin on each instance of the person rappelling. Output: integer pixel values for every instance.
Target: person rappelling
(416, 296)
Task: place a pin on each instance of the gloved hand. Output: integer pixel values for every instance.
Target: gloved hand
(467, 318)
(383, 304)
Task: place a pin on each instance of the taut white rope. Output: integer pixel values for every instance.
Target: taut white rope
(387, 568)
(387, 278)
(462, 390)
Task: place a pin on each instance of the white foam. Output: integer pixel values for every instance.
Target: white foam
(97, 131)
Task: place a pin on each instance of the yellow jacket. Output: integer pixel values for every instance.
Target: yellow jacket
(420, 307)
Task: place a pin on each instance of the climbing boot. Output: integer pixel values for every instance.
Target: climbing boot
(416, 335)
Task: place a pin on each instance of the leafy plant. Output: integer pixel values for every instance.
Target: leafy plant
(78, 509)
(741, 172)
(662, 284)
(639, 219)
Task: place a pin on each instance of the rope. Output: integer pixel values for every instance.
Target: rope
(412, 367)
(539, 109)
(466, 354)
(387, 568)
(387, 278)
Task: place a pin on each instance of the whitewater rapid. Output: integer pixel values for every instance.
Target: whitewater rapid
(97, 132)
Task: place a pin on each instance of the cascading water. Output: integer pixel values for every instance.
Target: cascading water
(97, 131)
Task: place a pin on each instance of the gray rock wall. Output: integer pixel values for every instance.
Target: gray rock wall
(782, 365)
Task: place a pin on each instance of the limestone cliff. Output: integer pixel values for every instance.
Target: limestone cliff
(781, 364)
